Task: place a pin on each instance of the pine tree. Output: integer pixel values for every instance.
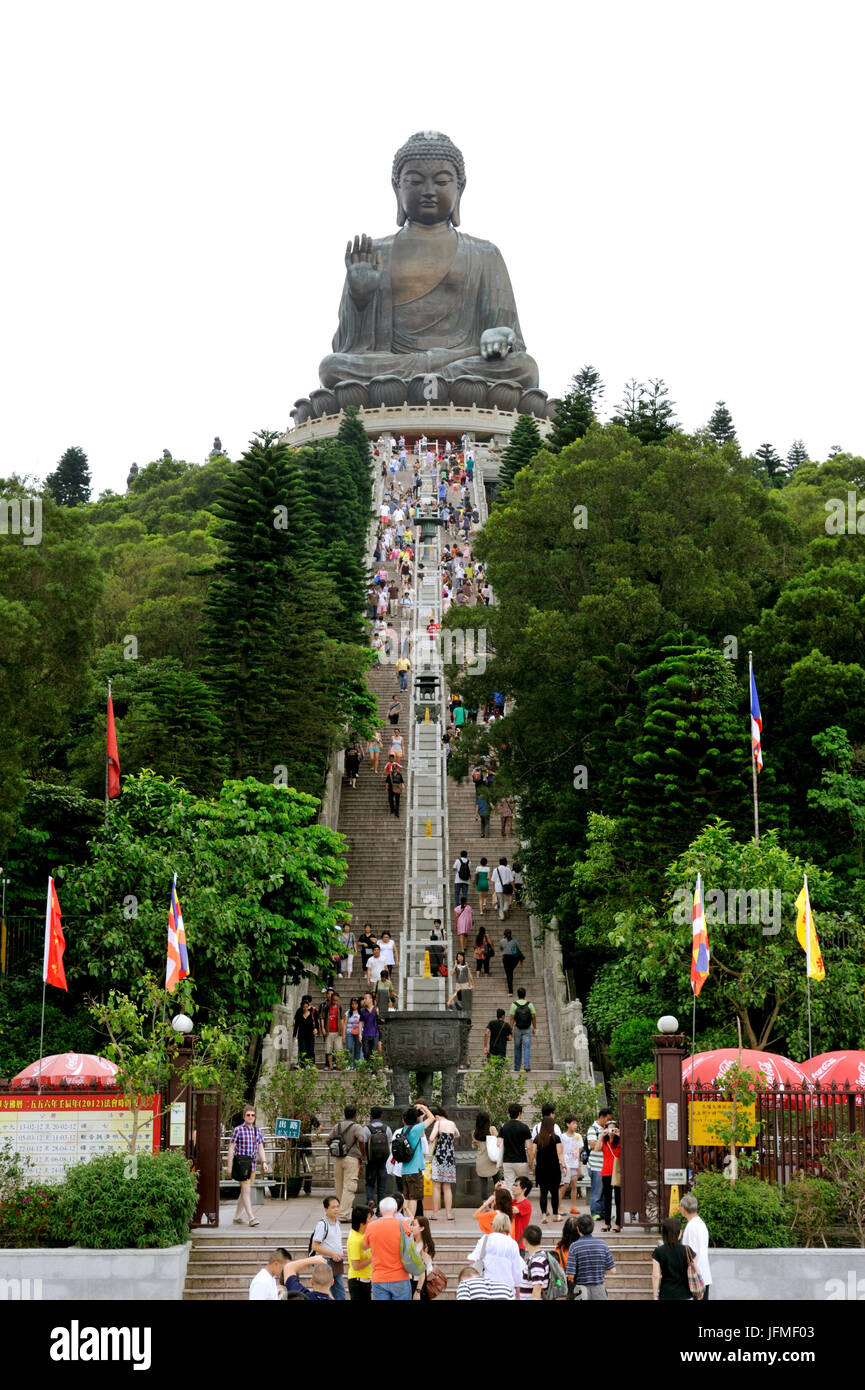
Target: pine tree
(647, 411)
(769, 467)
(588, 382)
(524, 443)
(352, 436)
(687, 759)
(69, 484)
(796, 455)
(251, 599)
(721, 425)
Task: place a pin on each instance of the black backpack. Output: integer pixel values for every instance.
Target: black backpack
(464, 872)
(378, 1148)
(401, 1150)
(522, 1015)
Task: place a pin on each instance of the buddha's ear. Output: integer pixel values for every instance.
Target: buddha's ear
(455, 215)
(400, 210)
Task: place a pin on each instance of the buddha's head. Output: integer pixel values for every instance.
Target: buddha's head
(428, 179)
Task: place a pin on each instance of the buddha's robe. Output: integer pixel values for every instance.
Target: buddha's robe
(438, 333)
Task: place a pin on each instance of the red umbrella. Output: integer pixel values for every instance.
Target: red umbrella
(833, 1069)
(69, 1068)
(710, 1068)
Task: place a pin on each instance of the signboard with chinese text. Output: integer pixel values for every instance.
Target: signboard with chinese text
(58, 1129)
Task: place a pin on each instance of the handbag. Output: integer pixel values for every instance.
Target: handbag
(495, 1148)
(241, 1168)
(695, 1279)
(479, 1262)
(436, 1282)
(409, 1255)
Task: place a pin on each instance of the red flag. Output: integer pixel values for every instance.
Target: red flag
(112, 756)
(55, 942)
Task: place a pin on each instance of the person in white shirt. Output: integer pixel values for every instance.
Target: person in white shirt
(374, 967)
(696, 1237)
(503, 877)
(264, 1288)
(387, 946)
(572, 1149)
(500, 1254)
(546, 1109)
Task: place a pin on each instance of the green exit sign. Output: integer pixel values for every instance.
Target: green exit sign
(287, 1129)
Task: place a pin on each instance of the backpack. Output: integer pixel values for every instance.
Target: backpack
(338, 1147)
(477, 775)
(522, 1015)
(558, 1285)
(401, 1150)
(463, 872)
(378, 1148)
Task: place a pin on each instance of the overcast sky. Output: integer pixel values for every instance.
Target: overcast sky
(676, 190)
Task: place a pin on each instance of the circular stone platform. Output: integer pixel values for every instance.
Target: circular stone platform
(435, 421)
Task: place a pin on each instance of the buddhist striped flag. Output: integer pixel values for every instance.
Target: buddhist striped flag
(177, 962)
(756, 726)
(699, 942)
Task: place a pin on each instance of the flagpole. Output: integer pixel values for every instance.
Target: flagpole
(41, 1035)
(753, 759)
(107, 762)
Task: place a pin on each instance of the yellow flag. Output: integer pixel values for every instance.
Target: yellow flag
(807, 936)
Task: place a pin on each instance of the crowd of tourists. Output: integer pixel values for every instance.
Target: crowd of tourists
(389, 1250)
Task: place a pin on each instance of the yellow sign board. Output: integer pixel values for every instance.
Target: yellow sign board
(708, 1116)
(674, 1201)
(653, 1107)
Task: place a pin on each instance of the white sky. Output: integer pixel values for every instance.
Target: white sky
(676, 189)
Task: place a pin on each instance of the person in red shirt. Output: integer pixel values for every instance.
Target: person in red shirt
(382, 1238)
(611, 1152)
(522, 1207)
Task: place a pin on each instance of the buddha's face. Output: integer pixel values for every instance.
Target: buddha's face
(428, 190)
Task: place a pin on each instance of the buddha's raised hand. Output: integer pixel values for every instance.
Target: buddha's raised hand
(497, 342)
(363, 268)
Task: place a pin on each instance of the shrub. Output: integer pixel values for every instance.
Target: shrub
(814, 1206)
(117, 1202)
(746, 1215)
(571, 1095)
(29, 1219)
(631, 1043)
(845, 1164)
(493, 1088)
(13, 1172)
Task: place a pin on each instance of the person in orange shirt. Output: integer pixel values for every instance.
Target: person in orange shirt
(390, 1279)
(500, 1200)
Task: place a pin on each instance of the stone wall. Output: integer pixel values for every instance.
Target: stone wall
(99, 1275)
(569, 1040)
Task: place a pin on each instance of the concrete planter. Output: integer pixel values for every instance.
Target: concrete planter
(98, 1275)
(788, 1276)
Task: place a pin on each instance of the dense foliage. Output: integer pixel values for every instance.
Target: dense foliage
(633, 569)
(224, 602)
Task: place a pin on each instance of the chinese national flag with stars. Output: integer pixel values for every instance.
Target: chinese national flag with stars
(55, 942)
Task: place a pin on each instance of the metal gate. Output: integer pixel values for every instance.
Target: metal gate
(641, 1171)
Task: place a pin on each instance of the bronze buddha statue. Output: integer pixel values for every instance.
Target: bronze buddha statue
(428, 302)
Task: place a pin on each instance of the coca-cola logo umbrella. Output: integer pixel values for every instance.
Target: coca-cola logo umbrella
(67, 1069)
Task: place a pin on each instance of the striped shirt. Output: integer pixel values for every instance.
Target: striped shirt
(596, 1156)
(472, 1289)
(536, 1270)
(588, 1259)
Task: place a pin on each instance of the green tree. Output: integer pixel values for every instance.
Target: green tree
(576, 410)
(689, 748)
(525, 442)
(721, 424)
(646, 411)
(842, 792)
(797, 454)
(769, 467)
(352, 437)
(253, 872)
(48, 593)
(69, 484)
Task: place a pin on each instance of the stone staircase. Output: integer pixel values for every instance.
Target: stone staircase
(491, 992)
(221, 1267)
